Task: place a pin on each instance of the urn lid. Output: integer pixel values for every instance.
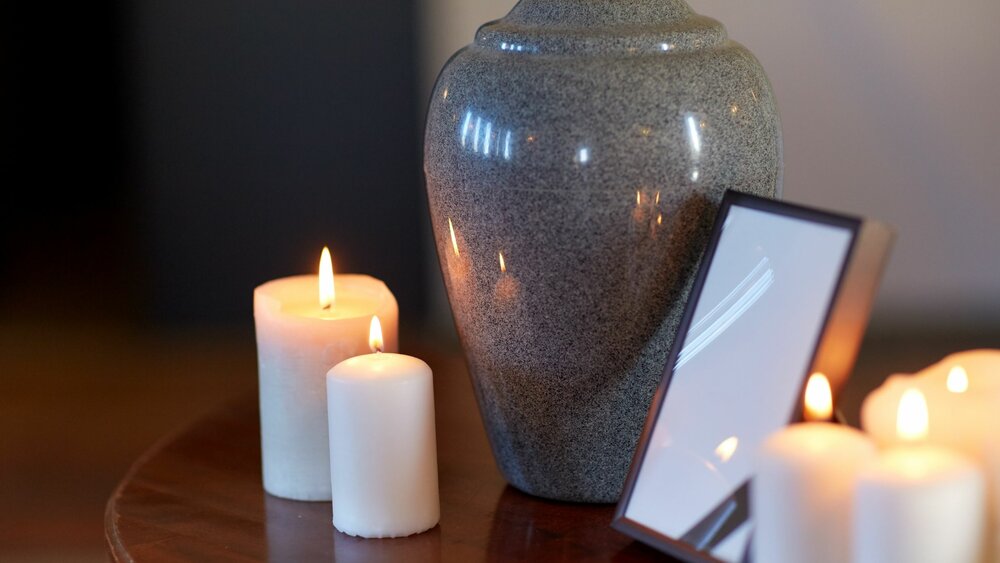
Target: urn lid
(601, 26)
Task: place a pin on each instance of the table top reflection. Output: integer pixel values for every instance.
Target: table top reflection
(197, 495)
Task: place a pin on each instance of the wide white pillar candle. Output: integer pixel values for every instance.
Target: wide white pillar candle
(383, 453)
(800, 497)
(919, 503)
(298, 340)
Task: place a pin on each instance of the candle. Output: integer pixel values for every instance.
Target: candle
(305, 325)
(382, 447)
(962, 393)
(919, 503)
(801, 493)
(993, 502)
(963, 397)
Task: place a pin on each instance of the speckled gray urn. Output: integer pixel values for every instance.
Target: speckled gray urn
(575, 154)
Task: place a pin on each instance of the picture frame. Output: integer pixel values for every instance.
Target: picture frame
(783, 291)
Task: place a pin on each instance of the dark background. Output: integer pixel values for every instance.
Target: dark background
(166, 157)
(161, 159)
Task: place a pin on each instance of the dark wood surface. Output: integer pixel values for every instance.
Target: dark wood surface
(197, 496)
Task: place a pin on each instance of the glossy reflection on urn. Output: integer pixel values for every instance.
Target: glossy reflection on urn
(575, 155)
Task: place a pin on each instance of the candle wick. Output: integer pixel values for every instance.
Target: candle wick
(839, 418)
(328, 306)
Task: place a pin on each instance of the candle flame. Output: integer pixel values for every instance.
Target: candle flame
(958, 380)
(503, 265)
(657, 198)
(638, 198)
(819, 398)
(454, 242)
(912, 418)
(327, 293)
(659, 219)
(375, 335)
(725, 450)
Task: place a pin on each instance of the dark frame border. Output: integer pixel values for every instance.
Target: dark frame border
(645, 534)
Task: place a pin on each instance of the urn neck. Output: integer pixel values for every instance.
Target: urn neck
(609, 26)
(589, 13)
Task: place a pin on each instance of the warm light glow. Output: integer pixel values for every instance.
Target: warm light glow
(375, 335)
(503, 265)
(327, 293)
(912, 418)
(725, 450)
(819, 398)
(659, 219)
(454, 243)
(958, 380)
(638, 198)
(657, 198)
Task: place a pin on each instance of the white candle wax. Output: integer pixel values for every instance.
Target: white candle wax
(383, 452)
(962, 414)
(297, 343)
(919, 504)
(801, 493)
(993, 484)
(962, 394)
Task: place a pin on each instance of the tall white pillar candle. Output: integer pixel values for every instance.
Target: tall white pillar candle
(383, 453)
(919, 503)
(801, 493)
(301, 333)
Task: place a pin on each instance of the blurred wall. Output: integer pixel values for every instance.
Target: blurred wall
(448, 25)
(889, 109)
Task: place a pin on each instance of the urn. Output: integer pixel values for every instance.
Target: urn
(574, 155)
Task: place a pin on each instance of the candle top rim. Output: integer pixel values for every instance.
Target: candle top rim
(920, 462)
(294, 297)
(346, 278)
(807, 439)
(379, 365)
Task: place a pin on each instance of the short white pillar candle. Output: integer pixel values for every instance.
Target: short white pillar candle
(962, 392)
(304, 327)
(919, 503)
(383, 452)
(993, 485)
(801, 493)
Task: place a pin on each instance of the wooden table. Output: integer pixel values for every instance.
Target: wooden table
(197, 496)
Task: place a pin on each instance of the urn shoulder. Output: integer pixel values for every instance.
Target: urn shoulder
(565, 84)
